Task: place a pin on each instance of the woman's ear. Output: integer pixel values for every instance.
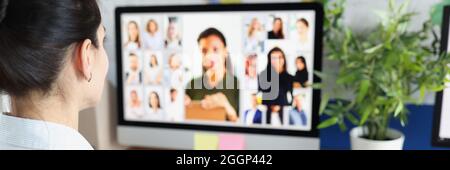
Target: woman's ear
(84, 59)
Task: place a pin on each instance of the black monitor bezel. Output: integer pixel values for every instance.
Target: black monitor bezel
(222, 8)
(436, 139)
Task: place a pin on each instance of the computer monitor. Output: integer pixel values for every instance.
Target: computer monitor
(243, 69)
(441, 122)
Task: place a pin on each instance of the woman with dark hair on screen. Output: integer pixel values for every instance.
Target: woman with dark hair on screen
(134, 37)
(153, 74)
(217, 87)
(302, 75)
(154, 103)
(52, 65)
(277, 29)
(276, 84)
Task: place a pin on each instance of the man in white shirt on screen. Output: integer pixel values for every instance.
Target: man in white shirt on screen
(174, 106)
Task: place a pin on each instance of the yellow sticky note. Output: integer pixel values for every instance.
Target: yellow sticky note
(206, 141)
(230, 1)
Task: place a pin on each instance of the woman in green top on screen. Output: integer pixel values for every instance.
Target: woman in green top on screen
(217, 87)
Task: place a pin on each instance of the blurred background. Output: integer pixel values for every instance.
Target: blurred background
(98, 124)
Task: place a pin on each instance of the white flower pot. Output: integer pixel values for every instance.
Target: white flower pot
(359, 143)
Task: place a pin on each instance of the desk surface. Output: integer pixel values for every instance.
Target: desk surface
(417, 132)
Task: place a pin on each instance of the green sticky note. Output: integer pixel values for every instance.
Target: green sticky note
(204, 141)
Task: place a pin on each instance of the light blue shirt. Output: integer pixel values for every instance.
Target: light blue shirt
(297, 118)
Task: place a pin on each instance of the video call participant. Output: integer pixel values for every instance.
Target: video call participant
(174, 74)
(217, 87)
(251, 72)
(154, 104)
(153, 39)
(277, 29)
(173, 39)
(276, 65)
(303, 33)
(301, 75)
(153, 75)
(173, 107)
(253, 115)
(297, 116)
(134, 75)
(255, 36)
(134, 38)
(135, 106)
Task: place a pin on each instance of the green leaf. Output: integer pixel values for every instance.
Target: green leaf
(373, 49)
(317, 86)
(392, 5)
(346, 78)
(398, 109)
(363, 88)
(329, 122)
(402, 8)
(383, 15)
(352, 118)
(342, 126)
(403, 119)
(324, 103)
(321, 75)
(365, 116)
(422, 94)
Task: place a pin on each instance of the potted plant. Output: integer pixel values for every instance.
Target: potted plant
(384, 68)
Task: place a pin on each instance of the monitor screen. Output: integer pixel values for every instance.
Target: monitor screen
(247, 70)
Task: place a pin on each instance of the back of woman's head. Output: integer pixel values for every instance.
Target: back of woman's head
(36, 37)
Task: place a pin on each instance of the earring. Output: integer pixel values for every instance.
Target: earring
(90, 78)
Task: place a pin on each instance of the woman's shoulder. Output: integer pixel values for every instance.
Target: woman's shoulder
(37, 134)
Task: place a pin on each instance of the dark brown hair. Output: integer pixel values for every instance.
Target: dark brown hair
(276, 49)
(35, 38)
(304, 21)
(281, 31)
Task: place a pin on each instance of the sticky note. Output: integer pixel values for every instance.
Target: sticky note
(231, 142)
(204, 141)
(230, 1)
